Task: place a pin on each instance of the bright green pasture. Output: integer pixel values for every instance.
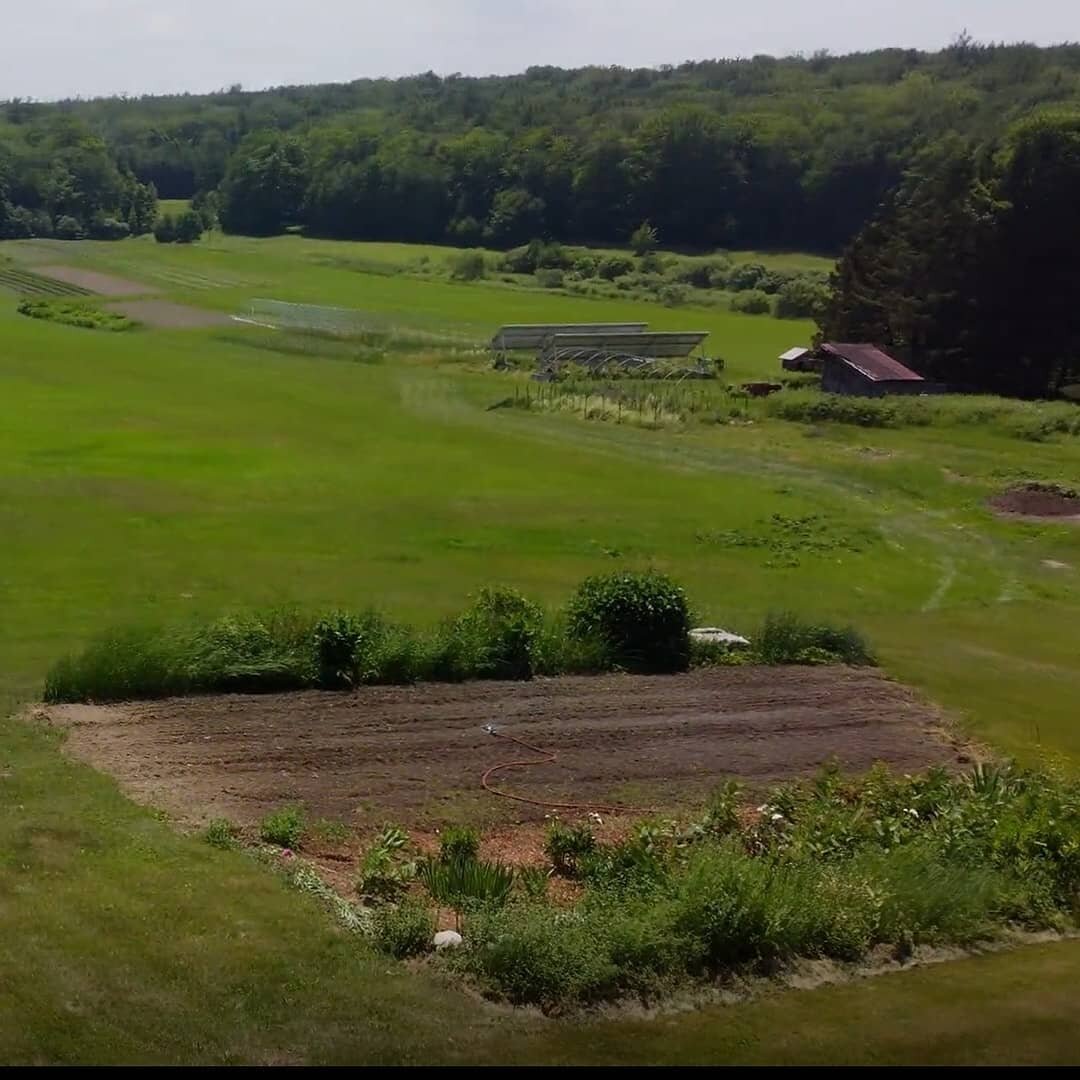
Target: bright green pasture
(153, 475)
(226, 272)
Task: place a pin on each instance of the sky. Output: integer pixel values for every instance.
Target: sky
(52, 49)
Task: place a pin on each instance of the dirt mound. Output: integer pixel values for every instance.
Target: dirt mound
(417, 754)
(1038, 501)
(168, 316)
(95, 282)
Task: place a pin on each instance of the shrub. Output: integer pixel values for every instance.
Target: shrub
(103, 227)
(75, 313)
(549, 278)
(283, 827)
(342, 643)
(752, 302)
(703, 274)
(537, 955)
(69, 228)
(672, 295)
(122, 665)
(220, 833)
(189, 227)
(459, 842)
(248, 652)
(745, 277)
(787, 639)
(468, 266)
(500, 630)
(384, 874)
(404, 929)
(585, 265)
(802, 297)
(568, 845)
(614, 266)
(558, 652)
(644, 618)
(165, 229)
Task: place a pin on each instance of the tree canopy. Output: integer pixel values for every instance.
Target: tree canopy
(969, 269)
(761, 152)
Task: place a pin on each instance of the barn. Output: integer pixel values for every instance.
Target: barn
(867, 371)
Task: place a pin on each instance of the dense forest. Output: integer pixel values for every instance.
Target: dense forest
(758, 153)
(969, 269)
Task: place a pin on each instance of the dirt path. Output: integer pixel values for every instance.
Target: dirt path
(96, 282)
(165, 315)
(416, 754)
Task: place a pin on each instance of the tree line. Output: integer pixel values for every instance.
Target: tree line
(760, 153)
(969, 270)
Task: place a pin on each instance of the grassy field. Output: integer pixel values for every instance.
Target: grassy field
(154, 474)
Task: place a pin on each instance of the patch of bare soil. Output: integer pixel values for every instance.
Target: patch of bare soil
(168, 316)
(416, 754)
(1039, 501)
(95, 282)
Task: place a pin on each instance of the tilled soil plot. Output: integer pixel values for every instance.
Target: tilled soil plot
(416, 755)
(1039, 501)
(165, 315)
(96, 282)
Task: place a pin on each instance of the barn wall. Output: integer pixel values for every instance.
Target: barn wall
(840, 378)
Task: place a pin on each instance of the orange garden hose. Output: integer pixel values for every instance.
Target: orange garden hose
(546, 758)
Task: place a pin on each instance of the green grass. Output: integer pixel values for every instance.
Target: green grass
(180, 474)
(173, 207)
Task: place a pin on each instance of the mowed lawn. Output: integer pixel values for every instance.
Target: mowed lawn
(152, 476)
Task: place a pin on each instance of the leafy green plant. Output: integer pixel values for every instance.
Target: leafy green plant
(532, 881)
(330, 832)
(464, 880)
(404, 929)
(74, 313)
(567, 845)
(283, 827)
(220, 833)
(785, 638)
(643, 617)
(383, 875)
(459, 842)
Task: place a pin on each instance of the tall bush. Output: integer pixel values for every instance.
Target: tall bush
(643, 617)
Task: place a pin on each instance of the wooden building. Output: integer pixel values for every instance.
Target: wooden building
(867, 371)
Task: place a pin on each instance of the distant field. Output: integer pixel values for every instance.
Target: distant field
(225, 273)
(163, 473)
(167, 207)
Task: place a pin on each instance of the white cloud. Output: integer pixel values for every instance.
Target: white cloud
(54, 48)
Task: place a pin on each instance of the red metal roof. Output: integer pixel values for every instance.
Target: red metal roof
(876, 365)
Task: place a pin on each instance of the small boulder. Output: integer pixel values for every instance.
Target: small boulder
(446, 939)
(713, 635)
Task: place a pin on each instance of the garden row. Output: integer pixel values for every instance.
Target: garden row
(837, 868)
(625, 621)
(748, 287)
(74, 313)
(27, 283)
(663, 403)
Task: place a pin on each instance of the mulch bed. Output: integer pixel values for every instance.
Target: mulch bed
(1038, 501)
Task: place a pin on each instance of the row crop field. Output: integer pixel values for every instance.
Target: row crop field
(24, 282)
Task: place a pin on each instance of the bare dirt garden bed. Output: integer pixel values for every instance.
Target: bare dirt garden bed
(415, 755)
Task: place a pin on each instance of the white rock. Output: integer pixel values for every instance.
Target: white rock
(446, 939)
(715, 636)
